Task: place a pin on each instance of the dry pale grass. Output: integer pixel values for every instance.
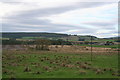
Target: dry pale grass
(81, 49)
(61, 49)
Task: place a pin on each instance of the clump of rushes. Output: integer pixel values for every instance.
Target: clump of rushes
(82, 72)
(56, 46)
(99, 71)
(104, 69)
(78, 67)
(88, 67)
(86, 63)
(50, 69)
(89, 63)
(42, 60)
(62, 64)
(37, 65)
(67, 57)
(33, 63)
(51, 62)
(69, 62)
(84, 66)
(110, 69)
(12, 78)
(3, 66)
(46, 68)
(118, 74)
(94, 69)
(115, 74)
(47, 58)
(38, 72)
(27, 69)
(14, 64)
(56, 62)
(55, 67)
(5, 71)
(80, 58)
(77, 62)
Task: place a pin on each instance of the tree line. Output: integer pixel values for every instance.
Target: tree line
(35, 42)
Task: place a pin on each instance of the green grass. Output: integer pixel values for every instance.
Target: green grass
(4, 38)
(14, 62)
(27, 38)
(31, 37)
(105, 46)
(102, 40)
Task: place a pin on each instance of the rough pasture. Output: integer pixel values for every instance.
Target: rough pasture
(52, 64)
(62, 48)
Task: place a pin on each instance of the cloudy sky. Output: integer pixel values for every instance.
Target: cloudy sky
(60, 16)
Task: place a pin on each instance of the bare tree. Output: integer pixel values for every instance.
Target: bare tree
(42, 44)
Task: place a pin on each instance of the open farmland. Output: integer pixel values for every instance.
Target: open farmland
(60, 39)
(63, 48)
(60, 62)
(58, 56)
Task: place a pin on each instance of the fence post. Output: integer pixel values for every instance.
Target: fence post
(91, 49)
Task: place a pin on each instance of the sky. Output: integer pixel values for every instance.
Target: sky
(81, 17)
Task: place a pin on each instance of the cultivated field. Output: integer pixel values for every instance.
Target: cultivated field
(60, 62)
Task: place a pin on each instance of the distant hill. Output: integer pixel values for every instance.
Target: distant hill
(53, 36)
(30, 34)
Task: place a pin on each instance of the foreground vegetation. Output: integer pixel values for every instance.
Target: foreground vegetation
(49, 64)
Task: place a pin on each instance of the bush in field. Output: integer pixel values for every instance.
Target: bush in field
(60, 42)
(11, 42)
(86, 42)
(42, 44)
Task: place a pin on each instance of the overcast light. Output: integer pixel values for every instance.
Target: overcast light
(60, 16)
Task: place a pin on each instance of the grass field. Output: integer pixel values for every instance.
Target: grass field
(103, 40)
(103, 46)
(48, 64)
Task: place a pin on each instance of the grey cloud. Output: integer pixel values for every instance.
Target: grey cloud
(101, 23)
(46, 27)
(42, 25)
(29, 18)
(33, 21)
(55, 10)
(53, 28)
(7, 0)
